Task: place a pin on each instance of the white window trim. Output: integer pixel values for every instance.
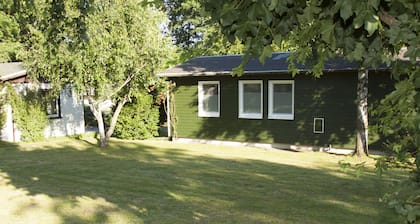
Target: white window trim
(250, 115)
(46, 87)
(280, 116)
(323, 125)
(57, 106)
(201, 112)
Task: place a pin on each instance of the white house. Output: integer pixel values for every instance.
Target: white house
(65, 113)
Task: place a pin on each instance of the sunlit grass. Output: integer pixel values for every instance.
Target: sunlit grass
(74, 181)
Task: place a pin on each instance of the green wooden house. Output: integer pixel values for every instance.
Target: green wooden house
(268, 105)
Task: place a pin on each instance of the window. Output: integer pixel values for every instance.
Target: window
(52, 106)
(209, 99)
(281, 99)
(251, 99)
(318, 125)
(51, 102)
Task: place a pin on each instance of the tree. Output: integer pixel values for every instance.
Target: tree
(194, 32)
(369, 32)
(9, 44)
(109, 50)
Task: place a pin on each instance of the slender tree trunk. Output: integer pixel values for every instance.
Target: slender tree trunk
(114, 119)
(101, 126)
(362, 113)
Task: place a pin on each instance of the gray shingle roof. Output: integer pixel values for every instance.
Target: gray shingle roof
(11, 70)
(219, 65)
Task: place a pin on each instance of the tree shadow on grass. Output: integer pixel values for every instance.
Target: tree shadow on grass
(139, 183)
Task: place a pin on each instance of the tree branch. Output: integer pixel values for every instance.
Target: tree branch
(413, 203)
(128, 80)
(115, 116)
(386, 18)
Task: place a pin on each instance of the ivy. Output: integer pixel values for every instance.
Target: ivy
(2, 108)
(28, 113)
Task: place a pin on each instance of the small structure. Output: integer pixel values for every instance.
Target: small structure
(65, 112)
(268, 105)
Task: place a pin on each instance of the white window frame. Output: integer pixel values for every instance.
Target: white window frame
(201, 112)
(280, 116)
(241, 113)
(55, 104)
(322, 125)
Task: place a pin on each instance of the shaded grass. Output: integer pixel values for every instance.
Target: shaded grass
(70, 181)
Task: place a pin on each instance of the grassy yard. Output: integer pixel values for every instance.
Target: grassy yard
(71, 181)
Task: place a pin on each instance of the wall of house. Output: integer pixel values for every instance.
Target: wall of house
(71, 120)
(331, 97)
(7, 132)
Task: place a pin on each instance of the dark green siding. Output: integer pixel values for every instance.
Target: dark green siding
(331, 97)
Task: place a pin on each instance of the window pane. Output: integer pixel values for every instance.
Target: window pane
(319, 125)
(51, 107)
(282, 98)
(251, 98)
(210, 97)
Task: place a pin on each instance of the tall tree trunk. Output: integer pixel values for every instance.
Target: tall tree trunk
(114, 119)
(362, 113)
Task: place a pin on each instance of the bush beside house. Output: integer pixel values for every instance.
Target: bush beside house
(138, 120)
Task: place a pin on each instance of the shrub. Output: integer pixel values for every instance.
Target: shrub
(28, 113)
(138, 120)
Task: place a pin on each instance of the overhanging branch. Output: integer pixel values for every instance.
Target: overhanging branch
(385, 17)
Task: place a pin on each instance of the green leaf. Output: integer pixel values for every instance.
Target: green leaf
(417, 82)
(273, 5)
(358, 52)
(346, 10)
(358, 21)
(412, 213)
(227, 19)
(238, 71)
(417, 99)
(371, 25)
(327, 31)
(252, 12)
(266, 53)
(374, 4)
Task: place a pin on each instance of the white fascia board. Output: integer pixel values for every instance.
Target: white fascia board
(186, 74)
(13, 75)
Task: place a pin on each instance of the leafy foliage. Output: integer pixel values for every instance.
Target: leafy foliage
(26, 106)
(368, 32)
(402, 133)
(139, 119)
(2, 108)
(405, 201)
(194, 32)
(107, 50)
(358, 168)
(9, 44)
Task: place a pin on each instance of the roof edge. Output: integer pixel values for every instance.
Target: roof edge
(195, 74)
(14, 75)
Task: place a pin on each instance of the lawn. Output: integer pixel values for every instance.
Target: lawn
(73, 181)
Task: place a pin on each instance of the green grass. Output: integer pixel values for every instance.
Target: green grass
(70, 181)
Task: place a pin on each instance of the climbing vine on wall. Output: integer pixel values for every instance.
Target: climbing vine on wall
(2, 105)
(28, 112)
